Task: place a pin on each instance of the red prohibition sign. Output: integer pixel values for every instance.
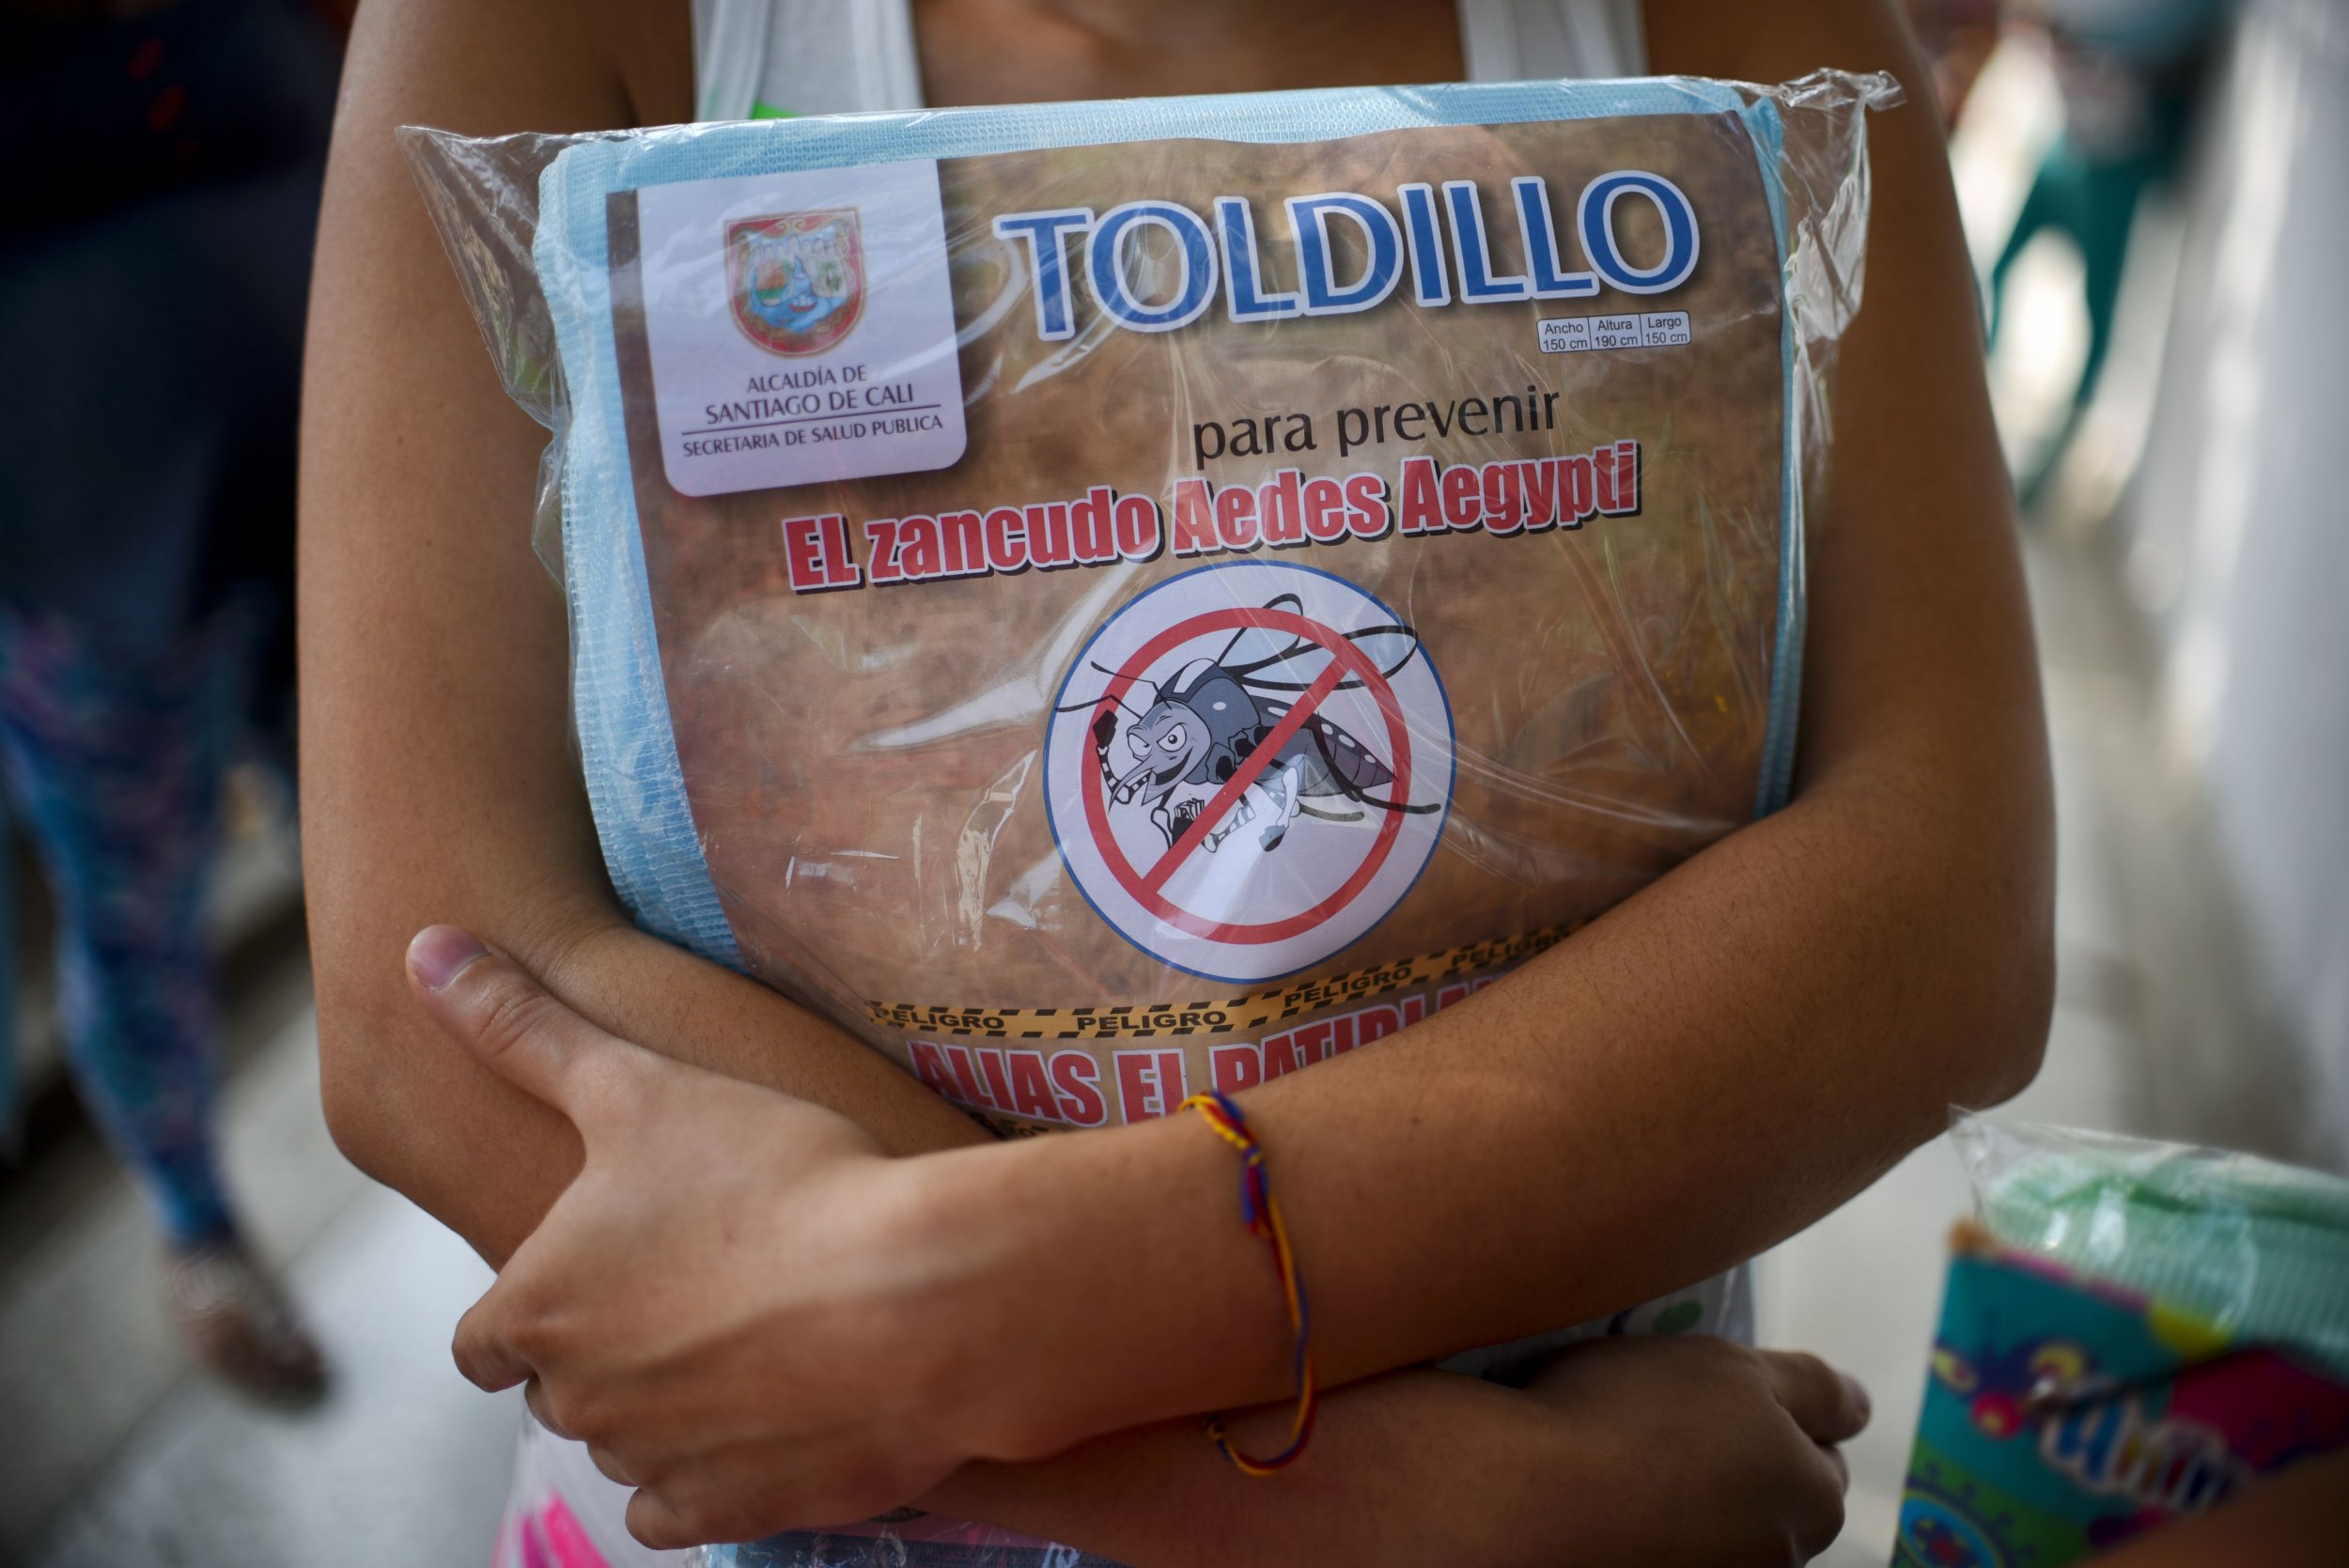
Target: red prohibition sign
(1345, 659)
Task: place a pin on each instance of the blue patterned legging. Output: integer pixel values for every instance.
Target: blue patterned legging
(114, 759)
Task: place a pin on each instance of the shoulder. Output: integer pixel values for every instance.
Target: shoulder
(522, 65)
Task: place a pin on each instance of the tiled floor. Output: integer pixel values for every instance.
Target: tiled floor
(116, 1457)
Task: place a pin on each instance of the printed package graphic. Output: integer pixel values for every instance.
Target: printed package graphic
(2134, 1334)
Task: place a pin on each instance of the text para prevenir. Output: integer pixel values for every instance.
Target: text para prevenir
(1449, 257)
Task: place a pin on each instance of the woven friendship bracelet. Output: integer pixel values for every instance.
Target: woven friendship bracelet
(1263, 1217)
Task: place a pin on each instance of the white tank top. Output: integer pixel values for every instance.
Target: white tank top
(763, 60)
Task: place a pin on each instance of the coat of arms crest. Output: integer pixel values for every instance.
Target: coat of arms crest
(796, 279)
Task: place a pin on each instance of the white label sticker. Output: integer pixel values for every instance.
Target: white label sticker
(1615, 331)
(802, 327)
(1664, 328)
(1565, 334)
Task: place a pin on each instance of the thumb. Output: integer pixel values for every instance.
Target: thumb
(1829, 1406)
(514, 1026)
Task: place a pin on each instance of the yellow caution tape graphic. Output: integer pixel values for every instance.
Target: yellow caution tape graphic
(1214, 1016)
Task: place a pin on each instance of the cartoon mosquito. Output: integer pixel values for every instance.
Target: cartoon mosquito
(1197, 729)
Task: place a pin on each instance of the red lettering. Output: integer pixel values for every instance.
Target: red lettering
(1504, 499)
(1194, 517)
(1077, 1078)
(917, 545)
(1006, 539)
(1137, 525)
(1090, 528)
(1462, 507)
(1236, 1067)
(1279, 1055)
(1578, 491)
(1031, 1093)
(1047, 534)
(1236, 518)
(1149, 1082)
(880, 545)
(929, 1065)
(1325, 510)
(1422, 507)
(1376, 1023)
(804, 555)
(1627, 481)
(966, 546)
(991, 1068)
(1539, 480)
(1367, 495)
(1283, 509)
(840, 565)
(965, 1079)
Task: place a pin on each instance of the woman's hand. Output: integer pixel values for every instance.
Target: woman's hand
(1726, 1455)
(749, 1314)
(738, 1305)
(1627, 1453)
(712, 1304)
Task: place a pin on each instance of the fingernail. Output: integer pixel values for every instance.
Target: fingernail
(1859, 1396)
(439, 953)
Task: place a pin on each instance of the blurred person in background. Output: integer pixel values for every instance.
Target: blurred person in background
(2130, 73)
(154, 259)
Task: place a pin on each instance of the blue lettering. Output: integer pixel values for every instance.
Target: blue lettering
(1430, 283)
(1595, 218)
(1042, 231)
(1236, 229)
(1158, 290)
(1324, 296)
(1541, 245)
(1472, 253)
(1194, 252)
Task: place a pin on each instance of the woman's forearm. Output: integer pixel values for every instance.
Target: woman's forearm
(437, 778)
(1682, 1084)
(1418, 1468)
(1622, 1454)
(488, 1162)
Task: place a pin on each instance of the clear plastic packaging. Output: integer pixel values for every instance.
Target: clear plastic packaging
(1110, 599)
(2258, 1251)
(2132, 1333)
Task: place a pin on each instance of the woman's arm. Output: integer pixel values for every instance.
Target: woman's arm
(437, 778)
(1624, 1453)
(1642, 1452)
(2297, 1519)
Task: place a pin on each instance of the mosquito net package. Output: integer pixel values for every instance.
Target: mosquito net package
(1111, 600)
(2132, 1334)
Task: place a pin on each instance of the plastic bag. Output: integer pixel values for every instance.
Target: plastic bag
(2131, 1334)
(1110, 599)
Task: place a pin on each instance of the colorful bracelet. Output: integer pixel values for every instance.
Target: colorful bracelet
(1263, 1216)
